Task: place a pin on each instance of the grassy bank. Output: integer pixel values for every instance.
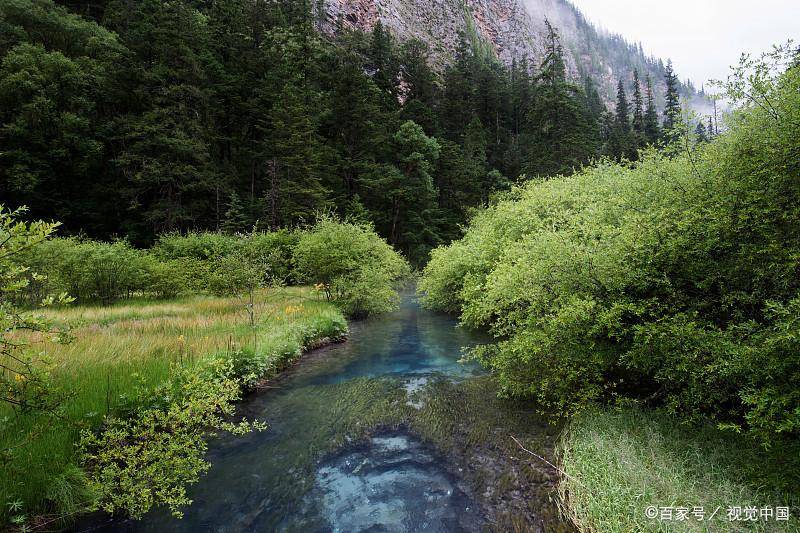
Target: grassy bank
(120, 355)
(620, 462)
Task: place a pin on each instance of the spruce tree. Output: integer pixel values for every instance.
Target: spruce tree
(559, 138)
(700, 132)
(710, 133)
(235, 220)
(672, 106)
(638, 111)
(384, 63)
(621, 142)
(651, 129)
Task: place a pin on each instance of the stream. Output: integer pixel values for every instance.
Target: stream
(340, 453)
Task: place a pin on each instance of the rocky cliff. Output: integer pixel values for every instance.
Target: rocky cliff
(513, 29)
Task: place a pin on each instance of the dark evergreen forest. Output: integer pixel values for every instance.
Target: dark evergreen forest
(132, 119)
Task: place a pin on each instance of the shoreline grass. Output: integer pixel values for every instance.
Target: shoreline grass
(620, 461)
(122, 352)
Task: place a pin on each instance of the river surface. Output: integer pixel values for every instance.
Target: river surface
(314, 469)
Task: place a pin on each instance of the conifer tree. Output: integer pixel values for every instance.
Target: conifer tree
(710, 133)
(621, 143)
(700, 132)
(559, 138)
(651, 129)
(672, 106)
(383, 61)
(235, 219)
(638, 111)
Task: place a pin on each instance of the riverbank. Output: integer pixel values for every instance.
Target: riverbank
(388, 430)
(642, 470)
(125, 360)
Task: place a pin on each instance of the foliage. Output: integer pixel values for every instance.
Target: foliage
(672, 282)
(354, 267)
(101, 271)
(118, 364)
(223, 116)
(25, 374)
(150, 457)
(193, 245)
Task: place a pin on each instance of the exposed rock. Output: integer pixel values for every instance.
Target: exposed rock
(514, 29)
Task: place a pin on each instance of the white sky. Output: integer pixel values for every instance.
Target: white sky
(702, 37)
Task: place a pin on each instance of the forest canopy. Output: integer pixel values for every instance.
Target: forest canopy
(133, 119)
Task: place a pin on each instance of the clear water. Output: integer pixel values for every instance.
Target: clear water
(287, 478)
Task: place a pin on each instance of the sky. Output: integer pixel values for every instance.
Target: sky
(702, 37)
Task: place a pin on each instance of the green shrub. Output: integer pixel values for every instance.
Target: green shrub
(101, 271)
(194, 245)
(673, 282)
(274, 249)
(351, 264)
(151, 457)
(201, 253)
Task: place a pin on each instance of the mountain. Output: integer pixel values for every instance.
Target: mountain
(512, 30)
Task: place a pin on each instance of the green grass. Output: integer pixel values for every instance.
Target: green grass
(619, 462)
(123, 351)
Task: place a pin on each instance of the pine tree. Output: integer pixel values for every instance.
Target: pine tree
(558, 138)
(710, 133)
(651, 129)
(638, 111)
(621, 143)
(235, 220)
(672, 106)
(383, 61)
(700, 132)
(420, 86)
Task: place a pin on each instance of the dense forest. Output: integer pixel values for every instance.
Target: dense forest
(195, 193)
(133, 119)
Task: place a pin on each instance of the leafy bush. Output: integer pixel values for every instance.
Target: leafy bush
(202, 251)
(351, 264)
(151, 457)
(194, 245)
(101, 271)
(275, 250)
(673, 282)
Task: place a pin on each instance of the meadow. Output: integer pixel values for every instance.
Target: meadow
(120, 353)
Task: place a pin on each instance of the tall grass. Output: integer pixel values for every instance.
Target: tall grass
(121, 352)
(619, 462)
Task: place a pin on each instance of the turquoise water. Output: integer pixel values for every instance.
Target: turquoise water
(291, 477)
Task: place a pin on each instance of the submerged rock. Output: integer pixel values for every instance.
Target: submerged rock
(392, 482)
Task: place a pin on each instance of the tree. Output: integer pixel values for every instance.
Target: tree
(383, 61)
(651, 129)
(235, 220)
(700, 132)
(25, 376)
(420, 86)
(558, 137)
(672, 106)
(413, 196)
(59, 77)
(638, 112)
(621, 143)
(291, 149)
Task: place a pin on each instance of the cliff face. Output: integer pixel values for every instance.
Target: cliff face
(504, 24)
(514, 29)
